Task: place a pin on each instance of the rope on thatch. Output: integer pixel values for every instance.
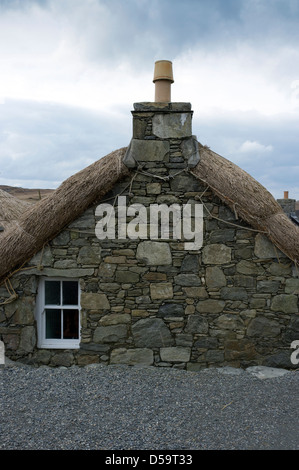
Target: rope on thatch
(249, 200)
(45, 219)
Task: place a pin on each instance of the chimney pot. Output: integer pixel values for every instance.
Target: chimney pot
(163, 78)
(286, 195)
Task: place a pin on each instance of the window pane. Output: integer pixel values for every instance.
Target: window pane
(53, 323)
(70, 292)
(52, 292)
(71, 324)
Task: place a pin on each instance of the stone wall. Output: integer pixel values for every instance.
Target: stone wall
(232, 302)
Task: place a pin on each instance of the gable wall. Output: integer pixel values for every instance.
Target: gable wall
(232, 302)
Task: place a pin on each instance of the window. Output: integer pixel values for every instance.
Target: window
(58, 314)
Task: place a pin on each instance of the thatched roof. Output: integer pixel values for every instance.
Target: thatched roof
(249, 200)
(11, 209)
(47, 218)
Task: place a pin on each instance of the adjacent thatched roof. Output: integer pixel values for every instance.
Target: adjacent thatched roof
(47, 218)
(11, 209)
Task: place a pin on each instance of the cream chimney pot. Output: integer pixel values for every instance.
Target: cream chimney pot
(163, 78)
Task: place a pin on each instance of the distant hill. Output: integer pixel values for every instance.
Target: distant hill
(29, 195)
(33, 195)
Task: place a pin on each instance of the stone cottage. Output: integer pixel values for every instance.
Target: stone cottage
(162, 253)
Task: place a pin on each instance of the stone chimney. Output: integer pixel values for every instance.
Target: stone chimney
(288, 205)
(162, 130)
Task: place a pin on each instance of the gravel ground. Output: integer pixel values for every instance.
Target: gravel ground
(134, 408)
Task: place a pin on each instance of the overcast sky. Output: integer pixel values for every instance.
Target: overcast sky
(72, 69)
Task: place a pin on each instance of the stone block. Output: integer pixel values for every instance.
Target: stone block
(140, 313)
(264, 248)
(43, 257)
(174, 125)
(292, 286)
(62, 359)
(132, 357)
(110, 334)
(115, 319)
(184, 339)
(126, 277)
(89, 255)
(190, 263)
(146, 151)
(161, 291)
(184, 182)
(196, 292)
(190, 151)
(286, 303)
(151, 333)
(153, 188)
(197, 325)
(229, 322)
(175, 354)
(222, 235)
(94, 301)
(268, 286)
(280, 269)
(27, 339)
(52, 272)
(263, 327)
(234, 293)
(65, 264)
(106, 270)
(171, 310)
(216, 253)
(249, 268)
(187, 280)
(210, 306)
(22, 310)
(154, 276)
(214, 356)
(115, 259)
(154, 253)
(215, 277)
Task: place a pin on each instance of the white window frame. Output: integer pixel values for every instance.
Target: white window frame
(51, 343)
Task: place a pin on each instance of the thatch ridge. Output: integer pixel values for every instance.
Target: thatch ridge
(44, 220)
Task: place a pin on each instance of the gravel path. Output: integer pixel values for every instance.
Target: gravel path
(133, 408)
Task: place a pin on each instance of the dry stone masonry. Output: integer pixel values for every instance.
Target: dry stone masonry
(232, 302)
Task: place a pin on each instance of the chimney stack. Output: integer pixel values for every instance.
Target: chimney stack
(162, 130)
(163, 78)
(288, 205)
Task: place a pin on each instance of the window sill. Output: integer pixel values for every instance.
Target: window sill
(59, 345)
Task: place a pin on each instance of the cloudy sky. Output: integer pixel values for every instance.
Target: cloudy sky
(72, 69)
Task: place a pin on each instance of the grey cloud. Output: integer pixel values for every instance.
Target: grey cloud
(50, 142)
(278, 169)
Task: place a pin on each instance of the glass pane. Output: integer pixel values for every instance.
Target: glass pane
(71, 324)
(53, 323)
(70, 292)
(52, 292)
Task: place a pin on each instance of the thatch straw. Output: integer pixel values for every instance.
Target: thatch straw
(249, 200)
(45, 219)
(11, 210)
